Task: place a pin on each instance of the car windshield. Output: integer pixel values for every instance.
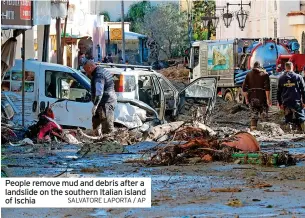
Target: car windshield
(82, 75)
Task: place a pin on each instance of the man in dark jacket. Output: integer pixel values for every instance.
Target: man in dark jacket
(291, 96)
(256, 89)
(103, 98)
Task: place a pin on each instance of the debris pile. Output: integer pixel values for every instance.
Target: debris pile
(189, 143)
(230, 114)
(177, 73)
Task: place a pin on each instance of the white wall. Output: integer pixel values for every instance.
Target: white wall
(233, 31)
(114, 7)
(29, 43)
(262, 15)
(284, 8)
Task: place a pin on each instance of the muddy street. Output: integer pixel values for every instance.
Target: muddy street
(197, 187)
(203, 190)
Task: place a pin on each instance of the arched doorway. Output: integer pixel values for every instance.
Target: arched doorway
(303, 42)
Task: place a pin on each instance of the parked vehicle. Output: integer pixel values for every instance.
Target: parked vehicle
(144, 84)
(231, 60)
(46, 83)
(298, 61)
(137, 103)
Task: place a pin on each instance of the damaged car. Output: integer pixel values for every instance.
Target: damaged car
(144, 96)
(144, 84)
(46, 83)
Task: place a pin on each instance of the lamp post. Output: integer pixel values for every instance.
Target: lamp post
(241, 15)
(210, 21)
(227, 17)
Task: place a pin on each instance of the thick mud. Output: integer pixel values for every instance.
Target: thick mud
(177, 191)
(181, 190)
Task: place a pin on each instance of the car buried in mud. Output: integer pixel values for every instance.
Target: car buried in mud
(150, 95)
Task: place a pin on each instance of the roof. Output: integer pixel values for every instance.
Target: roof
(129, 35)
(117, 22)
(296, 13)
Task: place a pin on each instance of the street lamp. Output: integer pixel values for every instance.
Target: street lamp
(205, 22)
(227, 17)
(215, 21)
(241, 16)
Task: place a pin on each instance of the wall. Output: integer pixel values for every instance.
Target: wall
(29, 43)
(297, 33)
(114, 7)
(117, 25)
(261, 23)
(233, 31)
(284, 8)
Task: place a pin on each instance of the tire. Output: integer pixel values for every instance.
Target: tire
(240, 97)
(229, 96)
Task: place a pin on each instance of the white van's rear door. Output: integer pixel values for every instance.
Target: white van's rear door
(58, 82)
(12, 90)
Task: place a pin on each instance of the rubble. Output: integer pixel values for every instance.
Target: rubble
(270, 128)
(183, 130)
(176, 73)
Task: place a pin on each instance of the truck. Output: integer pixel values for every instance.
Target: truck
(232, 59)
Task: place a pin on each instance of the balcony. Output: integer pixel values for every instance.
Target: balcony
(296, 17)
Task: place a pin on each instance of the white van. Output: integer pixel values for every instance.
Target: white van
(143, 95)
(47, 82)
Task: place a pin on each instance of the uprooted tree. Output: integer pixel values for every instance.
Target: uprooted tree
(166, 28)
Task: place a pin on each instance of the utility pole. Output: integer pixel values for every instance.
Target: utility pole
(123, 32)
(58, 41)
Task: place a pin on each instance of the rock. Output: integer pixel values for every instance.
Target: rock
(207, 158)
(238, 108)
(70, 139)
(104, 147)
(163, 138)
(238, 161)
(25, 141)
(272, 128)
(194, 160)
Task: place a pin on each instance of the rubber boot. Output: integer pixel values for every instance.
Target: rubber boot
(98, 132)
(253, 126)
(302, 127)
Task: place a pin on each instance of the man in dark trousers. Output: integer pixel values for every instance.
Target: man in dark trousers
(103, 98)
(256, 89)
(291, 96)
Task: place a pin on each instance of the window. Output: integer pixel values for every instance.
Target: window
(13, 81)
(62, 85)
(196, 56)
(124, 83)
(164, 85)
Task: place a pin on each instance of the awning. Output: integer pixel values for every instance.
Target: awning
(129, 36)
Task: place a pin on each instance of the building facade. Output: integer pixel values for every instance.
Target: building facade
(267, 18)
